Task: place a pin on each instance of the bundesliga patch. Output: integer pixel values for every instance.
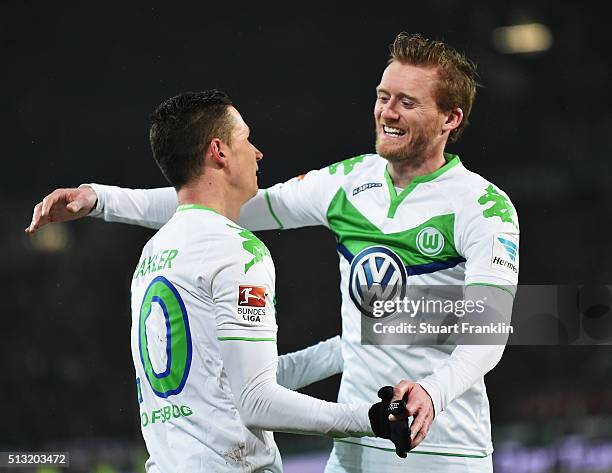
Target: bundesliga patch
(505, 253)
(252, 296)
(251, 303)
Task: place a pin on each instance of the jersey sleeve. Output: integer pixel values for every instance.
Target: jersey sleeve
(488, 238)
(264, 404)
(243, 293)
(470, 362)
(309, 365)
(300, 202)
(150, 208)
(257, 214)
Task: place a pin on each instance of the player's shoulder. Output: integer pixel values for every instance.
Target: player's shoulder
(341, 174)
(354, 165)
(469, 183)
(222, 233)
(198, 229)
(246, 250)
(475, 183)
(221, 241)
(474, 194)
(193, 224)
(190, 232)
(206, 243)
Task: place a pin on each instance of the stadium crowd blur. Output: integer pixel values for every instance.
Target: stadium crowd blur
(79, 83)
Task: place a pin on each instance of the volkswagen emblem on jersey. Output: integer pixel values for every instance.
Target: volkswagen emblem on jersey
(377, 274)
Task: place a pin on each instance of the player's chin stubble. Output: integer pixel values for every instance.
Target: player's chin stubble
(412, 151)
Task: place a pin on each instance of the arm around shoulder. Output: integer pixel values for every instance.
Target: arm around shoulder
(150, 208)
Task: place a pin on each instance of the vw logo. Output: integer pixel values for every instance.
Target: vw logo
(377, 274)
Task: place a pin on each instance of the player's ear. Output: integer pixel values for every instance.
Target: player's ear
(453, 119)
(218, 152)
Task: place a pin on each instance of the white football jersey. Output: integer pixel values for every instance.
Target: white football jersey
(451, 227)
(188, 294)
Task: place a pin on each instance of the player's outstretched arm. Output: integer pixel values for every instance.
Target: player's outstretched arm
(62, 205)
(467, 364)
(471, 359)
(150, 208)
(299, 202)
(304, 367)
(264, 404)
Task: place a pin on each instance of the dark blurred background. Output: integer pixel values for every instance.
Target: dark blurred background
(80, 80)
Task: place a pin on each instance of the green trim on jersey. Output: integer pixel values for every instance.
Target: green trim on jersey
(280, 225)
(503, 288)
(247, 339)
(451, 161)
(442, 454)
(357, 233)
(180, 208)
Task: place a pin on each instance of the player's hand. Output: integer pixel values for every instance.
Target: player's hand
(419, 406)
(63, 205)
(398, 432)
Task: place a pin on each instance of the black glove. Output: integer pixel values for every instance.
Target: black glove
(397, 431)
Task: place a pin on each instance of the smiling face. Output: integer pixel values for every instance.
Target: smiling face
(409, 125)
(244, 156)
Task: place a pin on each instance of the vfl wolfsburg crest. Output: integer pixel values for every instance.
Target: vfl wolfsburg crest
(430, 241)
(377, 274)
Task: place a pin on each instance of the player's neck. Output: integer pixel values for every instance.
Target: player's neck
(403, 172)
(213, 195)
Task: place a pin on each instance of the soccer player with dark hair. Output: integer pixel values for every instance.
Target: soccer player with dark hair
(203, 320)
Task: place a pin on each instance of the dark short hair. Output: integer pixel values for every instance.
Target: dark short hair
(182, 127)
(456, 73)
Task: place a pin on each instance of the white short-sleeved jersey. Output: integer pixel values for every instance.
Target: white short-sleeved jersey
(200, 279)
